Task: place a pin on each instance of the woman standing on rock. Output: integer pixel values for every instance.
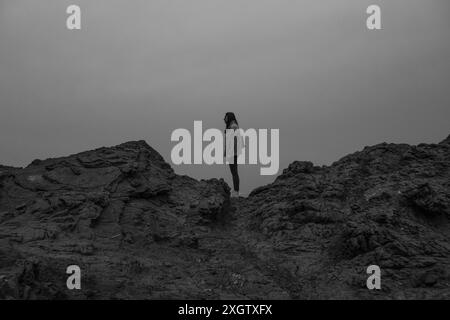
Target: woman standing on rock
(234, 144)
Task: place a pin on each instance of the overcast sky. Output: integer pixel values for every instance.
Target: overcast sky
(140, 69)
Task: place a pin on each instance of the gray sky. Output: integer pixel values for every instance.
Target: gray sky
(140, 69)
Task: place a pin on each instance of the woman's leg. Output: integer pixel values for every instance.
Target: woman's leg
(234, 173)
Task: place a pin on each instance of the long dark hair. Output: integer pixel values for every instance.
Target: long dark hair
(229, 118)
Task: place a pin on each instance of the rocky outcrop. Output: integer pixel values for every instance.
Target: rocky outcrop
(116, 212)
(138, 230)
(388, 205)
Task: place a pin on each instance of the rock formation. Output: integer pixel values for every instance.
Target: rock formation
(139, 231)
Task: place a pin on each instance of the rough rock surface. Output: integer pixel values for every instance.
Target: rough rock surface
(139, 231)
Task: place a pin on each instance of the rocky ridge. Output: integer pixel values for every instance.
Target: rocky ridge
(139, 231)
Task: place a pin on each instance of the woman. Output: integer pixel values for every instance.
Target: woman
(233, 148)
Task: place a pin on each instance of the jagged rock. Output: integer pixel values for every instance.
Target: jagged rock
(123, 201)
(387, 205)
(138, 230)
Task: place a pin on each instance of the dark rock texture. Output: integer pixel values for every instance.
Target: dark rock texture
(139, 231)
